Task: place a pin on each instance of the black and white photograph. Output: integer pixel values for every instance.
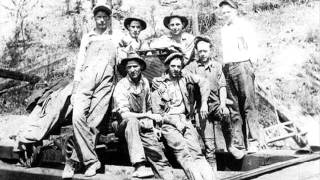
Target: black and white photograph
(160, 89)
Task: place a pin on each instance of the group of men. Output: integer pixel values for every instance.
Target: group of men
(221, 92)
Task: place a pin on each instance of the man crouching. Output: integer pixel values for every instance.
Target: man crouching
(133, 103)
(171, 100)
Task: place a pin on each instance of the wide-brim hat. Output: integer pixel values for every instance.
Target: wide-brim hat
(102, 7)
(197, 39)
(230, 3)
(131, 56)
(166, 20)
(128, 20)
(172, 56)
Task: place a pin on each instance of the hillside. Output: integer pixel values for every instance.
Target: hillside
(289, 41)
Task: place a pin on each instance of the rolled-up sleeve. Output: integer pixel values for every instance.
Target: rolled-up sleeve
(221, 78)
(203, 83)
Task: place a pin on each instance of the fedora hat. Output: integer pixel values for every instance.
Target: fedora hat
(131, 56)
(128, 20)
(166, 20)
(101, 7)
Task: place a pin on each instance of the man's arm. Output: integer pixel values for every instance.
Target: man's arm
(203, 84)
(204, 90)
(79, 62)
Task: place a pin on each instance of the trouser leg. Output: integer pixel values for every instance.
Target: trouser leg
(130, 129)
(207, 134)
(232, 78)
(85, 136)
(247, 100)
(191, 137)
(179, 146)
(44, 118)
(155, 155)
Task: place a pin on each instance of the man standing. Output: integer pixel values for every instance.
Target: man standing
(92, 90)
(239, 47)
(171, 100)
(177, 36)
(211, 70)
(133, 103)
(131, 41)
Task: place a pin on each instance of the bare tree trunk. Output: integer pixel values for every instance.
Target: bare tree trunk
(195, 23)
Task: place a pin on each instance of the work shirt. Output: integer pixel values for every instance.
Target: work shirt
(186, 44)
(238, 41)
(174, 97)
(162, 98)
(85, 42)
(131, 97)
(212, 71)
(128, 41)
(127, 44)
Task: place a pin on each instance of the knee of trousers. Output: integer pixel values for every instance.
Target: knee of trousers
(132, 124)
(78, 120)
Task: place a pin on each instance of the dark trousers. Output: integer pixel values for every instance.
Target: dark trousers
(220, 136)
(240, 87)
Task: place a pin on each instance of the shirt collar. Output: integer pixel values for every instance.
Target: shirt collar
(131, 82)
(206, 66)
(94, 33)
(183, 36)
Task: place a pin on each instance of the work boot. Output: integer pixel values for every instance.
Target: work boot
(236, 153)
(68, 170)
(92, 169)
(141, 171)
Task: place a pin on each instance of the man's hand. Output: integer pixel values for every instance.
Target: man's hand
(224, 110)
(156, 117)
(204, 111)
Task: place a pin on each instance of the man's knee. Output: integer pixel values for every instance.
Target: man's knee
(132, 125)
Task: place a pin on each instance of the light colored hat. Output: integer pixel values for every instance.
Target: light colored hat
(131, 56)
(128, 20)
(166, 20)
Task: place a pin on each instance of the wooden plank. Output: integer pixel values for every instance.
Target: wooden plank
(273, 167)
(19, 76)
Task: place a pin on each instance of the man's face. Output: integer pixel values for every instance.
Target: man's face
(175, 67)
(133, 69)
(228, 13)
(101, 19)
(203, 49)
(134, 29)
(175, 26)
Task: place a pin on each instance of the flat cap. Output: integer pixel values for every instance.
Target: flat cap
(197, 39)
(102, 7)
(230, 3)
(172, 56)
